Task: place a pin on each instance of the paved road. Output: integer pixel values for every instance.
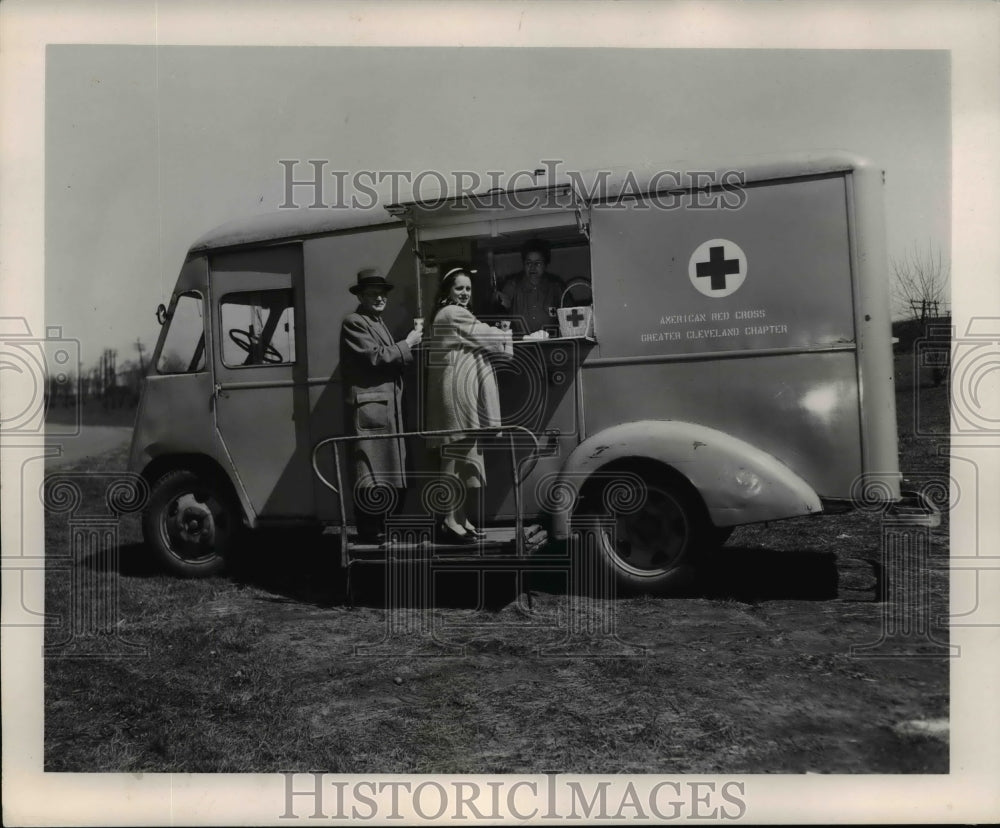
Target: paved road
(90, 442)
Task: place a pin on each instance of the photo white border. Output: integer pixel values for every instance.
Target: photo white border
(969, 30)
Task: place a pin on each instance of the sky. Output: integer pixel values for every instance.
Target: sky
(148, 147)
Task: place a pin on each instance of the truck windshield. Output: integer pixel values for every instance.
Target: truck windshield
(183, 348)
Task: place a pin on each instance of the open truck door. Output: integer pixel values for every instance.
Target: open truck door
(539, 385)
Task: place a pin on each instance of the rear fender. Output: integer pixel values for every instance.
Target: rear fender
(738, 482)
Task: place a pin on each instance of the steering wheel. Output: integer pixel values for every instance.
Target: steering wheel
(247, 342)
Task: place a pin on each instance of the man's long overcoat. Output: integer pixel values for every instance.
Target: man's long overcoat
(372, 366)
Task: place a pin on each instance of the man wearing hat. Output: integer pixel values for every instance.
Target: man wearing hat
(372, 365)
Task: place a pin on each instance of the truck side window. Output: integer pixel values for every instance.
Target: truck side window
(258, 328)
(183, 349)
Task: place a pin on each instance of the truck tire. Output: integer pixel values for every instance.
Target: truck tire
(648, 542)
(190, 523)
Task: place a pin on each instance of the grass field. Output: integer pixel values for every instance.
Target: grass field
(259, 671)
(92, 412)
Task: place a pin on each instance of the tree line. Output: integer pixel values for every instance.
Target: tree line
(113, 384)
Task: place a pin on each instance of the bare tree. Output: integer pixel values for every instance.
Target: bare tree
(920, 283)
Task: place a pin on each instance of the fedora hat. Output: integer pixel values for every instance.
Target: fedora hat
(369, 277)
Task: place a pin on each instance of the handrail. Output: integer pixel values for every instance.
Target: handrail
(518, 470)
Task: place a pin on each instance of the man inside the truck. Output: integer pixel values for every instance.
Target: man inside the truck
(532, 295)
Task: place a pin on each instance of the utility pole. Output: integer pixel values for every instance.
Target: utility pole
(109, 376)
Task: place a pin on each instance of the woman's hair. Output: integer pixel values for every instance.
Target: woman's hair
(451, 271)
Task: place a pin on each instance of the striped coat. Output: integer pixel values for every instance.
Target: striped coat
(461, 385)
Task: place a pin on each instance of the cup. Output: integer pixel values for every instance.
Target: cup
(418, 324)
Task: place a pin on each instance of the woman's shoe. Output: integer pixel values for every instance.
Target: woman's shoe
(449, 535)
(478, 534)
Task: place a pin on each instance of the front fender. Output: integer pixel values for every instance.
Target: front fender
(738, 482)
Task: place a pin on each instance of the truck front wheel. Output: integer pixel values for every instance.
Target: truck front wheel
(190, 523)
(648, 540)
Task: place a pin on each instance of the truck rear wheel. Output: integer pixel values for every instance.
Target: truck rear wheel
(190, 523)
(649, 539)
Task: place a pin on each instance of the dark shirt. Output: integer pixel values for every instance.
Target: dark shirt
(533, 305)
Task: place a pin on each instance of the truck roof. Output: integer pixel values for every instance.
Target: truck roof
(292, 223)
(597, 185)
